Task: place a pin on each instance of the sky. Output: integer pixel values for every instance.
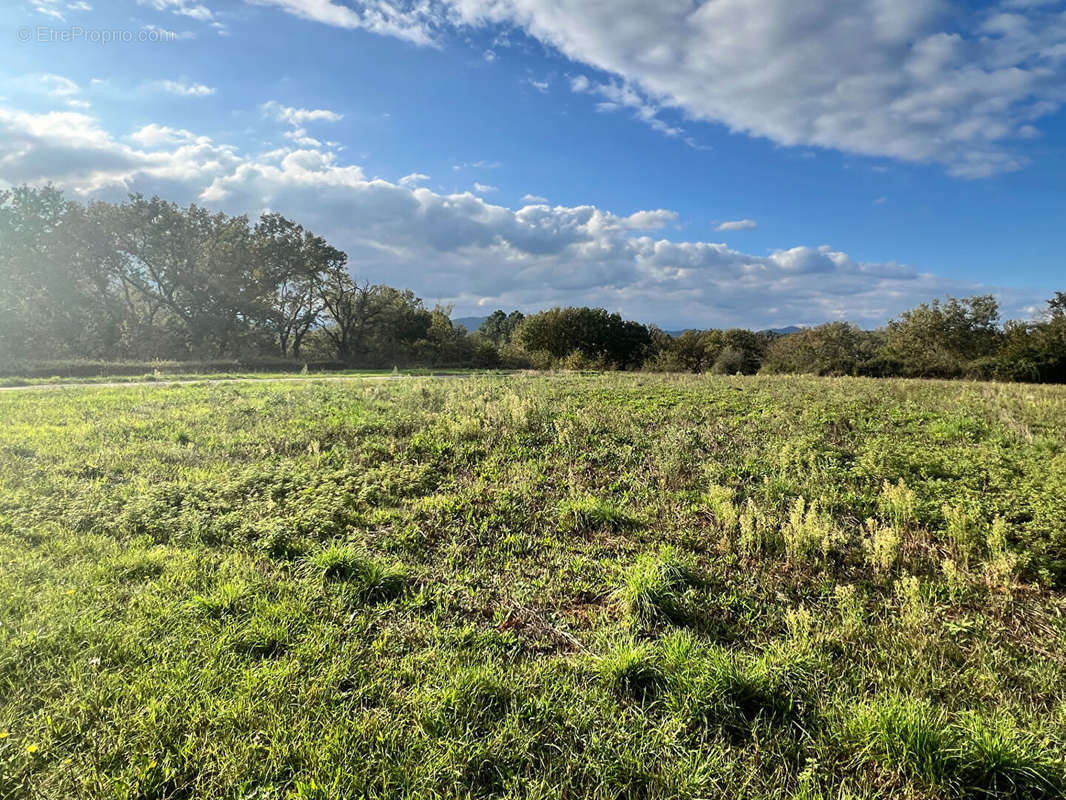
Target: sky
(691, 163)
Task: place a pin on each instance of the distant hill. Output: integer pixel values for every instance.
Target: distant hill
(470, 323)
(782, 331)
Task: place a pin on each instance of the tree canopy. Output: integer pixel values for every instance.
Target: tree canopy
(149, 279)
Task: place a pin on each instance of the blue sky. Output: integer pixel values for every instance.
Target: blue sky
(687, 163)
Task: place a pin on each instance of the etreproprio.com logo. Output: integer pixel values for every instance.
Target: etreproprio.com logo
(45, 34)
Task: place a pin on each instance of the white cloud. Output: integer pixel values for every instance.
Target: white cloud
(185, 8)
(71, 149)
(534, 200)
(300, 116)
(481, 253)
(183, 89)
(56, 9)
(414, 179)
(619, 95)
(57, 87)
(297, 118)
(484, 188)
(910, 79)
(379, 16)
(154, 135)
(477, 165)
(301, 137)
(650, 220)
(580, 83)
(928, 81)
(737, 225)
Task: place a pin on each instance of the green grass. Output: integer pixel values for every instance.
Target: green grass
(606, 586)
(656, 589)
(178, 374)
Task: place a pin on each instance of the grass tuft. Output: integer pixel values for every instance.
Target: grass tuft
(992, 758)
(474, 698)
(735, 693)
(590, 513)
(974, 757)
(227, 599)
(631, 671)
(262, 638)
(657, 589)
(369, 580)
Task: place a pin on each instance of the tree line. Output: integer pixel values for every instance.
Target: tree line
(147, 279)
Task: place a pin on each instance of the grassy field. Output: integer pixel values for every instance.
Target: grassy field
(179, 376)
(613, 587)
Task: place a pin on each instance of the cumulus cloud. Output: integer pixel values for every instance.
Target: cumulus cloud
(297, 118)
(71, 149)
(481, 254)
(414, 179)
(621, 95)
(650, 220)
(57, 87)
(153, 135)
(185, 8)
(910, 79)
(300, 116)
(414, 24)
(928, 81)
(183, 89)
(737, 225)
(57, 9)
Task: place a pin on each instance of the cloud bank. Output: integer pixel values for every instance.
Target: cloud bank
(459, 248)
(927, 81)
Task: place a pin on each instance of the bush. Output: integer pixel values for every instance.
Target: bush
(836, 348)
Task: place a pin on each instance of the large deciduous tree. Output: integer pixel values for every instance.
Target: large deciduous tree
(297, 265)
